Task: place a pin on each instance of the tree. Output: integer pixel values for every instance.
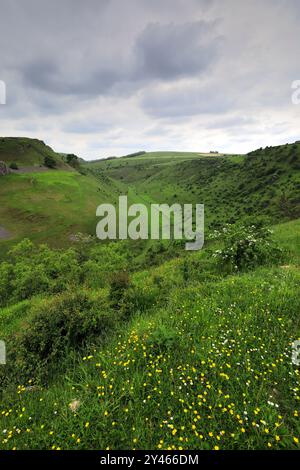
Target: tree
(72, 160)
(49, 161)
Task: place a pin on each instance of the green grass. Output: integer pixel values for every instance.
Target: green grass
(213, 369)
(233, 187)
(27, 152)
(210, 369)
(200, 359)
(50, 206)
(288, 235)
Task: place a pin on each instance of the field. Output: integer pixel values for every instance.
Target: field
(142, 345)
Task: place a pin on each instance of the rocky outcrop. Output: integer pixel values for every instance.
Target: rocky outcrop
(4, 170)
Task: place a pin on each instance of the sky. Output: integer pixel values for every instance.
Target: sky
(103, 78)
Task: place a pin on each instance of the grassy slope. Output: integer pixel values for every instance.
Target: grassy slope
(266, 182)
(208, 368)
(26, 152)
(50, 206)
(211, 369)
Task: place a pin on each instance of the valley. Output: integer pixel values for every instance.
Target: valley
(138, 344)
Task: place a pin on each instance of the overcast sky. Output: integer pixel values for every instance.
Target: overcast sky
(110, 77)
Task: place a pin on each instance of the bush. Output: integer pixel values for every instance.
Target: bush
(13, 166)
(139, 298)
(163, 338)
(102, 263)
(68, 321)
(247, 247)
(6, 289)
(120, 282)
(72, 160)
(34, 270)
(49, 161)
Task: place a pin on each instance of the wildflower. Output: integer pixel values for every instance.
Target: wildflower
(74, 405)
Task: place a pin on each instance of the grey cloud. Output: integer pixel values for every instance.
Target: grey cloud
(161, 52)
(55, 78)
(149, 64)
(173, 50)
(86, 126)
(186, 101)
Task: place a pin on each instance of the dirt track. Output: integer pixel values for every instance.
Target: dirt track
(30, 169)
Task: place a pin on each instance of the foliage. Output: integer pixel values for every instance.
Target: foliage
(72, 160)
(102, 262)
(163, 338)
(65, 322)
(139, 298)
(49, 161)
(120, 282)
(247, 246)
(33, 270)
(13, 166)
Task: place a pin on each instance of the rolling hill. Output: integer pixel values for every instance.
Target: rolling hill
(26, 152)
(114, 346)
(51, 205)
(264, 182)
(46, 205)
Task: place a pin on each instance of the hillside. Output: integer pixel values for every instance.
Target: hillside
(51, 206)
(194, 359)
(140, 344)
(57, 203)
(26, 152)
(46, 205)
(264, 182)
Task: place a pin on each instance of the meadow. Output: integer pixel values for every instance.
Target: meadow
(142, 345)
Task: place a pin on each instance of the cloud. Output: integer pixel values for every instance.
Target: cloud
(171, 51)
(186, 100)
(165, 74)
(160, 52)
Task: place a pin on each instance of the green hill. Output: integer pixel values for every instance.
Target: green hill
(51, 205)
(264, 182)
(194, 359)
(43, 204)
(140, 344)
(26, 152)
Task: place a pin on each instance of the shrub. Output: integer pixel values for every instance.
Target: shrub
(246, 247)
(102, 263)
(68, 321)
(120, 282)
(184, 267)
(34, 270)
(163, 338)
(49, 161)
(72, 160)
(6, 289)
(13, 166)
(139, 298)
